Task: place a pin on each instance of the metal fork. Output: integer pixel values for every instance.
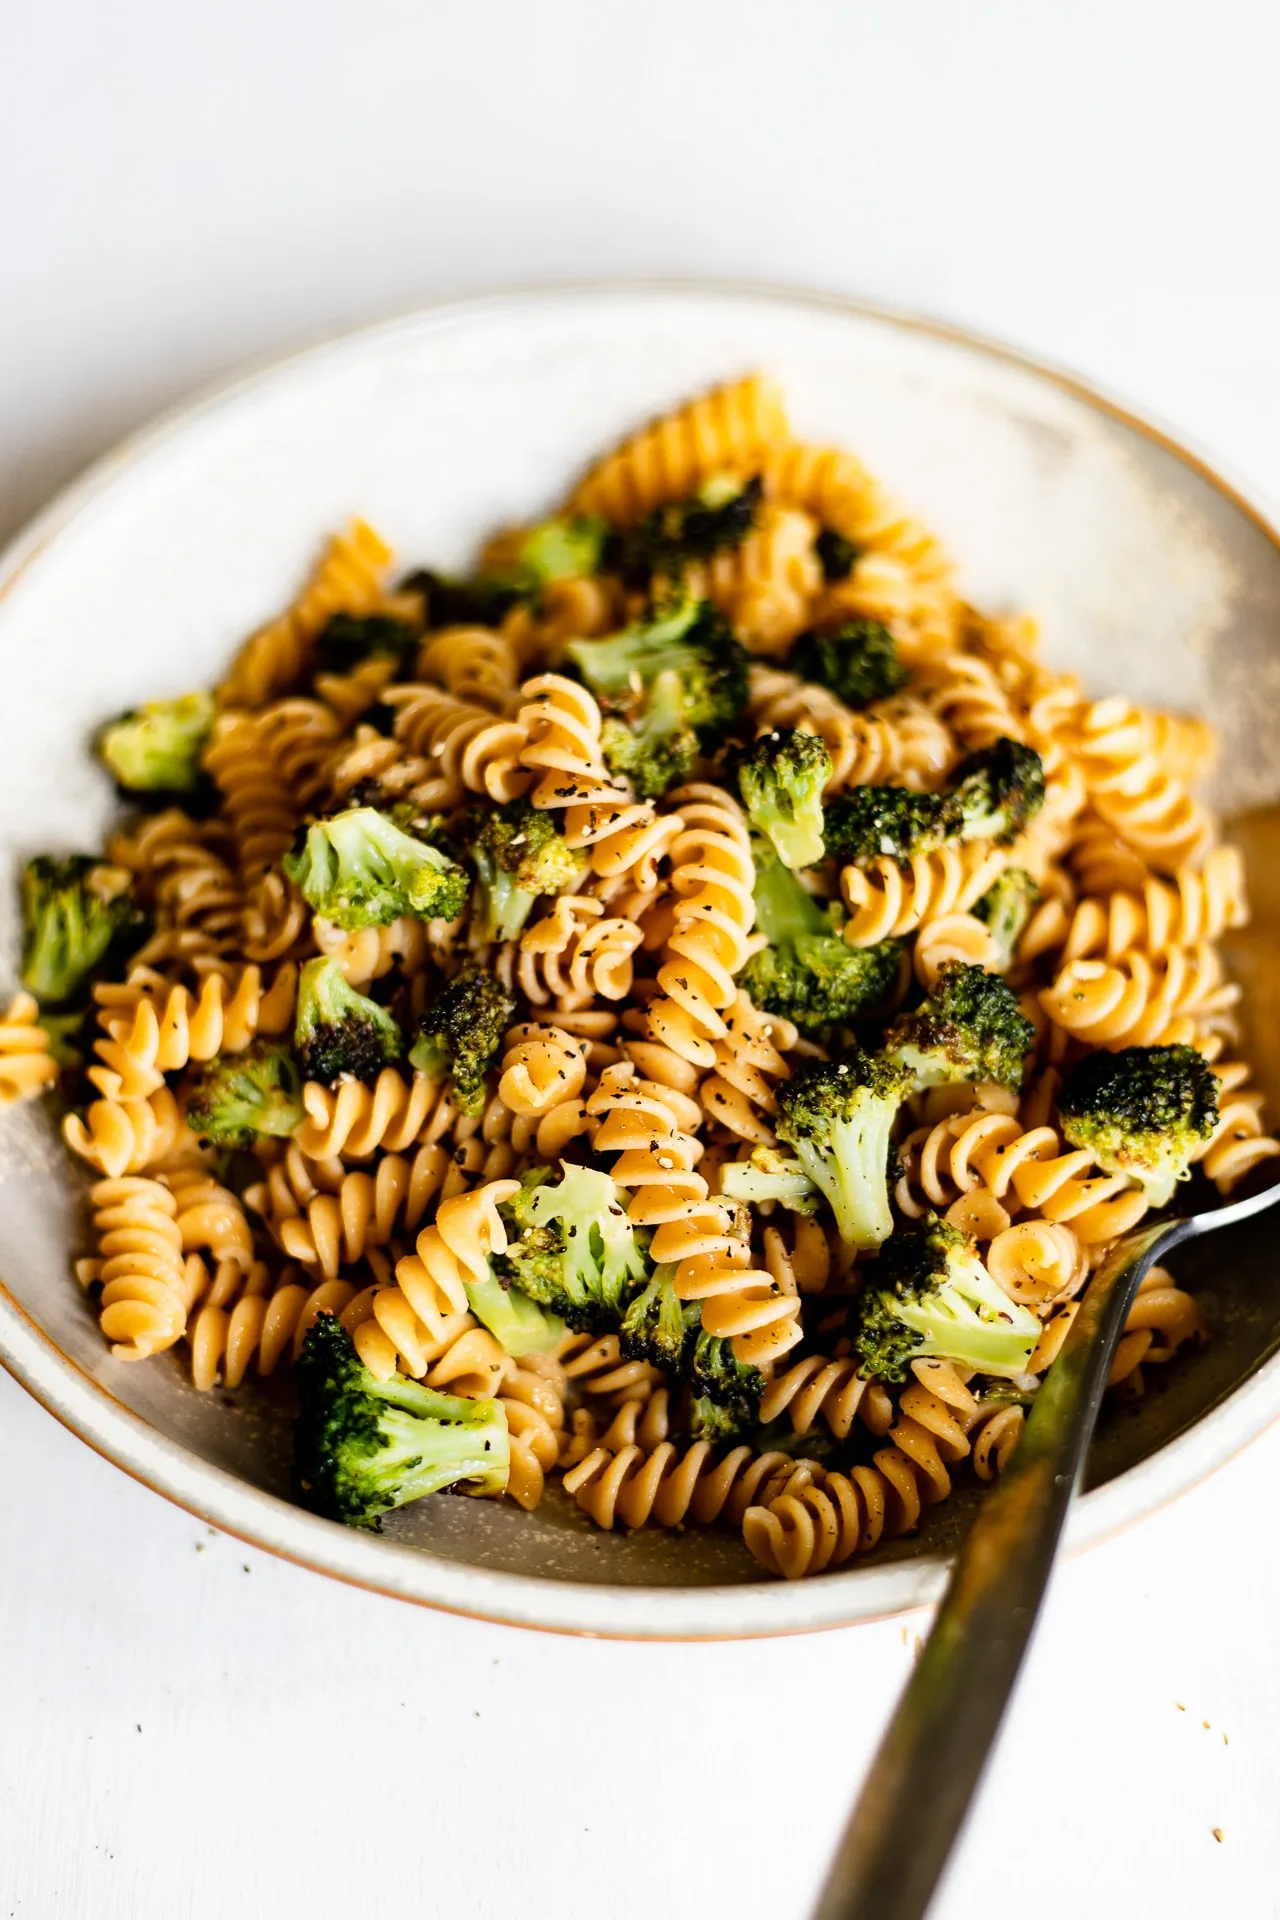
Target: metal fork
(930, 1761)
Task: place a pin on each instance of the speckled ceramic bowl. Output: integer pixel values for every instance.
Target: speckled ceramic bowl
(1150, 574)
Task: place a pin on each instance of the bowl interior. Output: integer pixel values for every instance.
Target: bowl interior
(1149, 577)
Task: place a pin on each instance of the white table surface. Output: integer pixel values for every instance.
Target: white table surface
(188, 1728)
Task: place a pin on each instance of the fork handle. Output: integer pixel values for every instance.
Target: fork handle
(933, 1754)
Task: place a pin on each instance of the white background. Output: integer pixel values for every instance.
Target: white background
(191, 1729)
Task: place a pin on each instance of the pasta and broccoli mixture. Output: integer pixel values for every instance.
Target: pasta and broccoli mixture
(681, 1011)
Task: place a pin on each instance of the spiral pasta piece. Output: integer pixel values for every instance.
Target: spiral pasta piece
(666, 1488)
(143, 1295)
(122, 1136)
(1166, 1001)
(893, 898)
(728, 429)
(326, 1217)
(163, 1030)
(348, 580)
(354, 1119)
(27, 1067)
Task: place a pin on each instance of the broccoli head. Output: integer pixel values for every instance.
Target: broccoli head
(781, 778)
(359, 869)
(575, 1251)
(896, 822)
(659, 1327)
(769, 1175)
(970, 1028)
(538, 557)
(683, 532)
(363, 1446)
(1142, 1112)
(657, 747)
(76, 912)
(929, 1296)
(156, 748)
(461, 1032)
(1006, 907)
(839, 1115)
(726, 1393)
(517, 854)
(808, 973)
(238, 1097)
(349, 639)
(688, 639)
(997, 790)
(858, 662)
(338, 1031)
(836, 556)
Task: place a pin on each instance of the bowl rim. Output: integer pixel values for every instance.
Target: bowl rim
(859, 1593)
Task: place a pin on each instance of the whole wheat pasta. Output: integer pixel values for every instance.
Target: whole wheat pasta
(323, 1102)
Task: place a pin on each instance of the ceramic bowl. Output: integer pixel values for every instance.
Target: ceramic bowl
(1150, 574)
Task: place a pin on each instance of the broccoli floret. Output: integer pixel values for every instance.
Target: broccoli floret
(1141, 1112)
(726, 1393)
(770, 1175)
(781, 778)
(857, 661)
(715, 519)
(867, 822)
(359, 869)
(657, 748)
(839, 1115)
(808, 973)
(658, 1327)
(363, 1446)
(836, 556)
(555, 550)
(338, 1030)
(929, 1296)
(513, 1317)
(75, 913)
(517, 854)
(239, 1097)
(577, 1253)
(460, 1033)
(1006, 907)
(156, 748)
(997, 790)
(688, 639)
(970, 1028)
(349, 639)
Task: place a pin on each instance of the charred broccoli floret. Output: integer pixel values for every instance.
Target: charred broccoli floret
(461, 1032)
(770, 1175)
(349, 639)
(997, 790)
(75, 912)
(781, 778)
(1006, 907)
(839, 1115)
(660, 1328)
(858, 662)
(687, 639)
(808, 973)
(836, 556)
(156, 748)
(657, 748)
(970, 1028)
(715, 519)
(538, 557)
(239, 1097)
(867, 822)
(929, 1296)
(576, 1252)
(726, 1392)
(359, 869)
(1141, 1112)
(517, 854)
(338, 1031)
(362, 1446)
